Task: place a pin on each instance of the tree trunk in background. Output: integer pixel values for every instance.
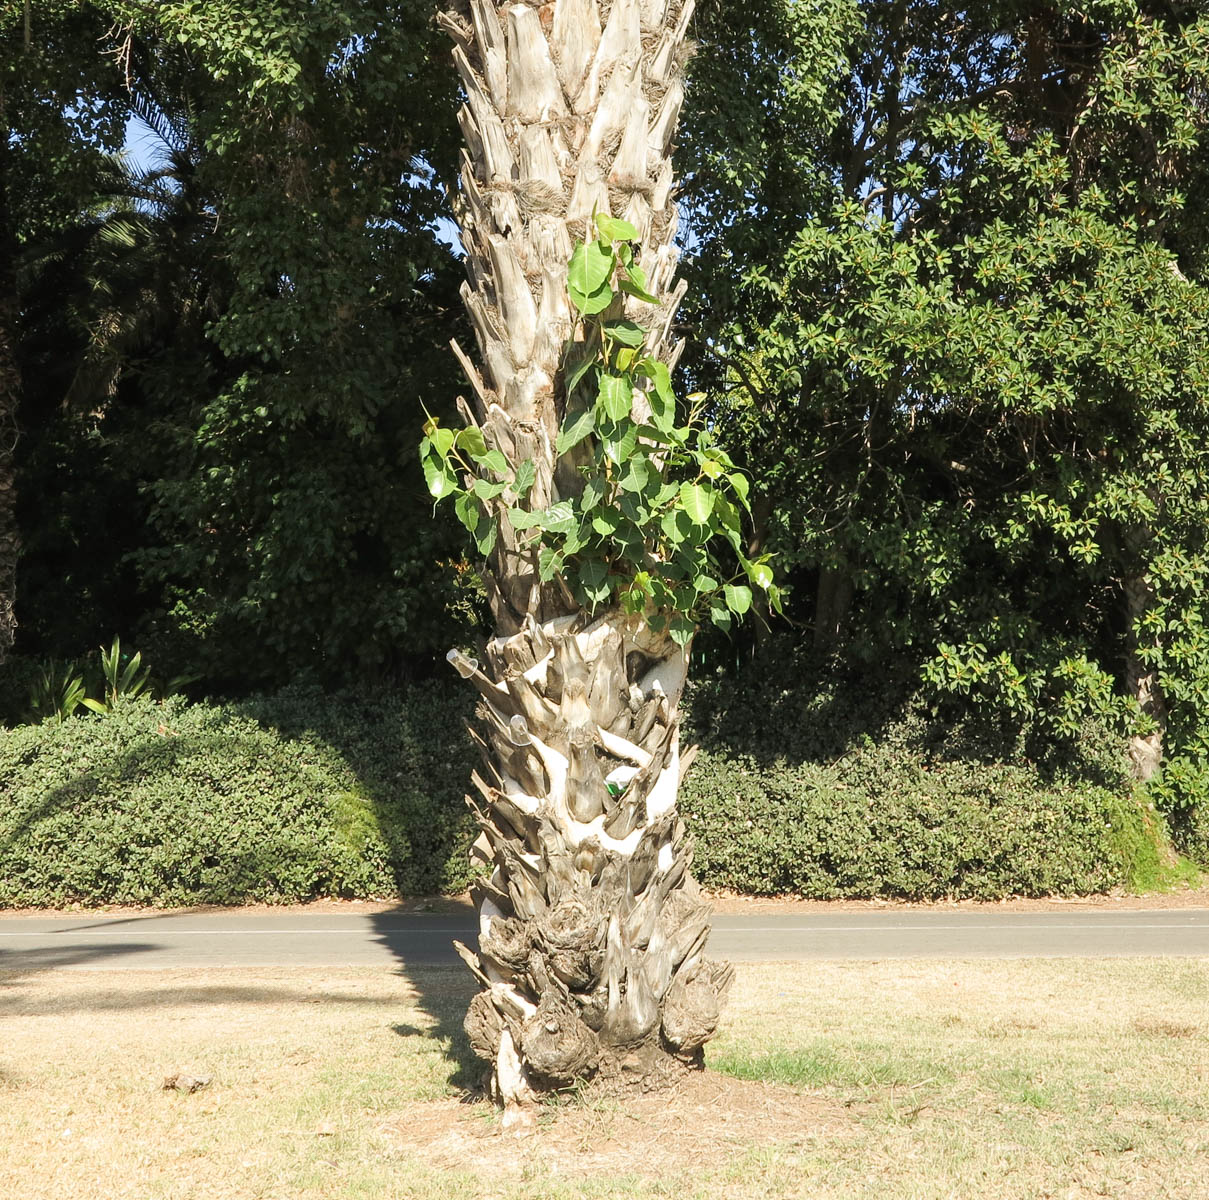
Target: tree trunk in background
(1145, 753)
(10, 393)
(833, 600)
(591, 930)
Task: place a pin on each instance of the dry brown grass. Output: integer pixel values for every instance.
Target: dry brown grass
(1012, 1080)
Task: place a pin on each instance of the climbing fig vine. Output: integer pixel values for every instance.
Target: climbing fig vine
(653, 522)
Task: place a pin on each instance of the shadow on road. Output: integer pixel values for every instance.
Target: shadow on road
(16, 966)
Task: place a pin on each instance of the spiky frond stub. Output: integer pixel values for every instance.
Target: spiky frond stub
(591, 930)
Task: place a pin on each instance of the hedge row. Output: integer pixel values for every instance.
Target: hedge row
(857, 789)
(876, 826)
(302, 795)
(281, 800)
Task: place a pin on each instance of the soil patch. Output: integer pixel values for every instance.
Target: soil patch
(706, 1119)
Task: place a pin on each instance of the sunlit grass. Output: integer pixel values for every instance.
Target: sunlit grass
(980, 1079)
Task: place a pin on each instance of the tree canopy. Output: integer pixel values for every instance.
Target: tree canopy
(947, 290)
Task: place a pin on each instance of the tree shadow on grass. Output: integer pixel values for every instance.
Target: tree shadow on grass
(125, 999)
(443, 993)
(392, 772)
(411, 758)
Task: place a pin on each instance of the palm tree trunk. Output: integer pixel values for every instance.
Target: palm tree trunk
(591, 930)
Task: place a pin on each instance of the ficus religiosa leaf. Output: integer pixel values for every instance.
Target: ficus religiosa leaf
(591, 303)
(613, 229)
(697, 501)
(633, 283)
(615, 397)
(646, 526)
(626, 332)
(571, 435)
(590, 268)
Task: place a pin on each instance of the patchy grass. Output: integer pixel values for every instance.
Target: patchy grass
(905, 1080)
(1055, 1077)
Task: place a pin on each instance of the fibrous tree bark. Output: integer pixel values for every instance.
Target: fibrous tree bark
(592, 932)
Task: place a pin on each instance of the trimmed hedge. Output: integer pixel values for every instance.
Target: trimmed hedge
(874, 825)
(857, 788)
(285, 799)
(840, 792)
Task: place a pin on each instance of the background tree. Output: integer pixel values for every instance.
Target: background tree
(969, 352)
(268, 317)
(53, 149)
(10, 397)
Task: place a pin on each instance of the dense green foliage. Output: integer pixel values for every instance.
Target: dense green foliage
(885, 824)
(1191, 830)
(949, 314)
(654, 500)
(293, 797)
(227, 339)
(304, 794)
(952, 267)
(859, 790)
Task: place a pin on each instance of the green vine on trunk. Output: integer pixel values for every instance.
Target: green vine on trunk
(656, 527)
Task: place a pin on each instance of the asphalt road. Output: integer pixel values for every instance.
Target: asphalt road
(396, 939)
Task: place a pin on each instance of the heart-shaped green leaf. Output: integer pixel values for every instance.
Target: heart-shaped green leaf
(580, 369)
(618, 449)
(525, 476)
(760, 574)
(594, 580)
(606, 521)
(615, 397)
(560, 518)
(613, 229)
(738, 598)
(472, 441)
(591, 265)
(486, 490)
(681, 630)
(468, 511)
(697, 501)
(625, 332)
(591, 303)
(439, 477)
(633, 282)
(571, 435)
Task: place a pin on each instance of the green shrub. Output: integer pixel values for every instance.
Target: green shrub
(877, 824)
(842, 789)
(176, 803)
(407, 758)
(855, 787)
(1190, 832)
(1181, 791)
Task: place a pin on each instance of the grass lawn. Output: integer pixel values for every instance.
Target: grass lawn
(1046, 1078)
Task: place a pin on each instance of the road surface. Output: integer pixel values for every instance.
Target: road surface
(217, 939)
